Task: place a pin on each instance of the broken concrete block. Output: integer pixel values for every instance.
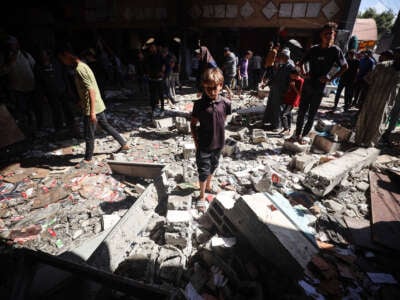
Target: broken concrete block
(139, 188)
(304, 162)
(189, 150)
(175, 171)
(182, 124)
(108, 221)
(262, 183)
(323, 178)
(341, 132)
(325, 144)
(243, 177)
(333, 205)
(176, 202)
(268, 230)
(363, 186)
(258, 136)
(178, 216)
(295, 147)
(164, 123)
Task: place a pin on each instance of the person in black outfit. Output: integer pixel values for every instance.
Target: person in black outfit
(347, 81)
(321, 59)
(155, 69)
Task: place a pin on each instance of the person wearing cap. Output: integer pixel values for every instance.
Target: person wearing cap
(91, 102)
(18, 68)
(321, 58)
(382, 103)
(279, 84)
(229, 68)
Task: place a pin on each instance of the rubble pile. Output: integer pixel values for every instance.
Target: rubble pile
(55, 211)
(280, 208)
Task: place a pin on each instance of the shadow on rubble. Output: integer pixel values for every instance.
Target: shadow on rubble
(157, 135)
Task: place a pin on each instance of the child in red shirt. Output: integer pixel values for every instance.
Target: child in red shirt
(290, 100)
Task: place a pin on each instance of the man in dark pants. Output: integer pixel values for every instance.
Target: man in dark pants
(155, 69)
(347, 81)
(91, 102)
(321, 59)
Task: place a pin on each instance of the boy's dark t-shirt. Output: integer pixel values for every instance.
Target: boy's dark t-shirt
(211, 115)
(322, 59)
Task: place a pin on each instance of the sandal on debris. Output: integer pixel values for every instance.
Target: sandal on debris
(302, 141)
(201, 205)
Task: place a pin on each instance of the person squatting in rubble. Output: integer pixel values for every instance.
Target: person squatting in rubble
(279, 83)
(91, 102)
(290, 100)
(321, 59)
(211, 112)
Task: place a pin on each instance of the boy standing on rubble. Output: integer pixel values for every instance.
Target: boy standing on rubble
(91, 102)
(210, 111)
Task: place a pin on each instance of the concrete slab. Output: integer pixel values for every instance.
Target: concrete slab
(134, 169)
(269, 231)
(322, 179)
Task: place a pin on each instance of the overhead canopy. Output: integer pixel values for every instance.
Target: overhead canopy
(365, 30)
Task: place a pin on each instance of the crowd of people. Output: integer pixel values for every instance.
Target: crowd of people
(65, 80)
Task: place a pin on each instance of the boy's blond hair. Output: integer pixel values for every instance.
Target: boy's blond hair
(213, 76)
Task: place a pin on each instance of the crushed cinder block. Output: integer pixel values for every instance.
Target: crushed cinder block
(343, 134)
(164, 123)
(176, 202)
(258, 136)
(328, 144)
(295, 147)
(189, 150)
(178, 231)
(304, 162)
(182, 125)
(323, 178)
(262, 183)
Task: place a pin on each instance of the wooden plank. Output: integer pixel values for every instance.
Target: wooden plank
(385, 206)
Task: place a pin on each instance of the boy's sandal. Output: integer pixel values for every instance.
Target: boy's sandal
(302, 141)
(201, 205)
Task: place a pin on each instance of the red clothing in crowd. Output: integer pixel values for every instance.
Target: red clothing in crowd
(291, 97)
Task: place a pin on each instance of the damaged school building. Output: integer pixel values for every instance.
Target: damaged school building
(288, 221)
(126, 25)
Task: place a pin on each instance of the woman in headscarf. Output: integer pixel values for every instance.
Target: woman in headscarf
(206, 61)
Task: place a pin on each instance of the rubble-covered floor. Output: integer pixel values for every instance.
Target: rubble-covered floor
(49, 205)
